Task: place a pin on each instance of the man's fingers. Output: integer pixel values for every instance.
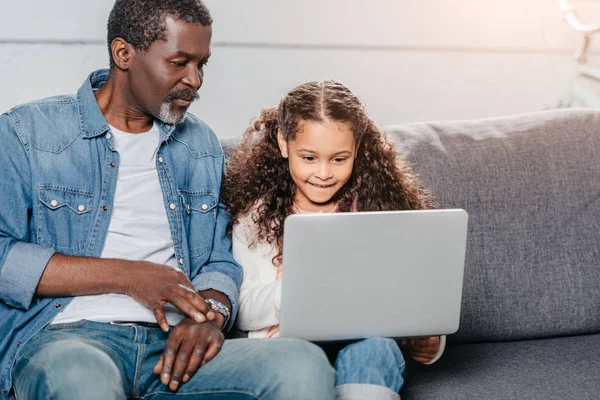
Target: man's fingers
(213, 349)
(183, 305)
(199, 304)
(158, 366)
(159, 314)
(169, 354)
(181, 362)
(195, 359)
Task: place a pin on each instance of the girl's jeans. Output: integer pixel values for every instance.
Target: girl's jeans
(371, 368)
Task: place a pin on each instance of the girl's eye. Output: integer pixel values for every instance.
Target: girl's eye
(339, 159)
(308, 158)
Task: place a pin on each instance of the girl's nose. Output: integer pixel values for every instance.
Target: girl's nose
(324, 172)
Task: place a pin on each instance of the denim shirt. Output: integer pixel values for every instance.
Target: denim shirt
(57, 187)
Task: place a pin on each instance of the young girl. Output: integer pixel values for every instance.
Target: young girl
(317, 152)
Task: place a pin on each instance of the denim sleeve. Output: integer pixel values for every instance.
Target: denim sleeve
(21, 263)
(221, 272)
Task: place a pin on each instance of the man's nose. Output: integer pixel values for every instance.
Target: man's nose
(193, 77)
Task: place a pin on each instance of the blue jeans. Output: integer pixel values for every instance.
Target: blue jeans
(91, 360)
(371, 368)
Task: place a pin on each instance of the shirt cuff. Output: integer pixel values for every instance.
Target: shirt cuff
(440, 350)
(221, 283)
(21, 273)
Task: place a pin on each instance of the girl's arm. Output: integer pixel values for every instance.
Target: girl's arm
(260, 292)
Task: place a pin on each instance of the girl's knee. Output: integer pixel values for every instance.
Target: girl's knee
(376, 348)
(373, 361)
(300, 371)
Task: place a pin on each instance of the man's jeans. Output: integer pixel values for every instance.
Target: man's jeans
(91, 360)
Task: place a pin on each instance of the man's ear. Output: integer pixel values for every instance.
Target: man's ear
(122, 53)
(283, 148)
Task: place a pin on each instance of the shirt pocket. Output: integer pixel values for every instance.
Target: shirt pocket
(199, 216)
(64, 218)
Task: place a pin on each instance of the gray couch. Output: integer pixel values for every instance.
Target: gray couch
(530, 320)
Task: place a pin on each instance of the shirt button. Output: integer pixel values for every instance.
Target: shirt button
(54, 203)
(204, 206)
(160, 159)
(108, 135)
(112, 164)
(104, 208)
(172, 206)
(81, 208)
(19, 344)
(57, 305)
(181, 261)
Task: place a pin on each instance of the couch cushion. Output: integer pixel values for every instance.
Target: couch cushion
(531, 186)
(565, 368)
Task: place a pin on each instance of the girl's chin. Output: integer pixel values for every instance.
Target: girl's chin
(319, 204)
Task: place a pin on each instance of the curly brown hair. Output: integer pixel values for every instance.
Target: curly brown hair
(258, 178)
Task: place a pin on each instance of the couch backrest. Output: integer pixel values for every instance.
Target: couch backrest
(531, 186)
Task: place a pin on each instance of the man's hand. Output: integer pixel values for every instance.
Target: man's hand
(157, 284)
(190, 344)
(422, 350)
(148, 283)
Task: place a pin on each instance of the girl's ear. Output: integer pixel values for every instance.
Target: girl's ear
(282, 144)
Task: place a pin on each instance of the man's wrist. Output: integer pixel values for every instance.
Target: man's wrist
(222, 312)
(215, 294)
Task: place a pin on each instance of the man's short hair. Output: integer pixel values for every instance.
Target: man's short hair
(142, 22)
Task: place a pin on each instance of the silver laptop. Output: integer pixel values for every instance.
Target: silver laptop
(355, 275)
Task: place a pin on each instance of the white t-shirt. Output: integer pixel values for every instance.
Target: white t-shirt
(138, 230)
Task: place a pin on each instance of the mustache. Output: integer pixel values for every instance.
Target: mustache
(186, 94)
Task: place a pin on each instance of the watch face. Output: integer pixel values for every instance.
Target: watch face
(218, 306)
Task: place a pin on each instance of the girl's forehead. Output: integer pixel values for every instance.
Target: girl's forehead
(325, 134)
(323, 127)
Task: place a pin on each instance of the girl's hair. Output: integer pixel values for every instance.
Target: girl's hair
(258, 178)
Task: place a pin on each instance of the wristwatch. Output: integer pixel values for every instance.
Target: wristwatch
(219, 307)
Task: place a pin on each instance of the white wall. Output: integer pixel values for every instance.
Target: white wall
(408, 60)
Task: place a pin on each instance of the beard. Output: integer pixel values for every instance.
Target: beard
(166, 112)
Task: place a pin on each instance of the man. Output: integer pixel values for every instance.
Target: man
(116, 273)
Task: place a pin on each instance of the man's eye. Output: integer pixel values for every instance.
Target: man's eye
(179, 63)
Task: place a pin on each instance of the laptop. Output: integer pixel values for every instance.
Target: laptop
(355, 275)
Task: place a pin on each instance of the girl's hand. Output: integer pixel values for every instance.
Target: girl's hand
(422, 350)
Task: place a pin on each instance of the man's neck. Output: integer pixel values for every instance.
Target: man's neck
(117, 106)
